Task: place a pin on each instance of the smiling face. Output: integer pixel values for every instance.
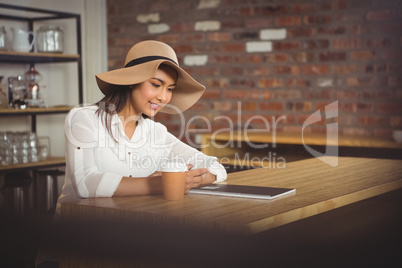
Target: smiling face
(150, 96)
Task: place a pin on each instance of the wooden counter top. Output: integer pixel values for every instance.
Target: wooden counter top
(308, 138)
(319, 188)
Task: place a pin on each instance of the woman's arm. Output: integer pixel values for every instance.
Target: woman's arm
(139, 186)
(198, 160)
(81, 131)
(153, 184)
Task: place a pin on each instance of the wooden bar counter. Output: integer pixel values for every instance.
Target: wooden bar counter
(216, 230)
(319, 188)
(239, 147)
(265, 137)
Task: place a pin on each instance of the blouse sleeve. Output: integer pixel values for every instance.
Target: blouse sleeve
(196, 158)
(81, 143)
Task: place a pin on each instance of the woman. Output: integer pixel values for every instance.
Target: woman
(113, 149)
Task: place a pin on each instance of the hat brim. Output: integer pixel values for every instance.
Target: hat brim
(186, 93)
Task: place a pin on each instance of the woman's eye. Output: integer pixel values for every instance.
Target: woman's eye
(171, 88)
(156, 85)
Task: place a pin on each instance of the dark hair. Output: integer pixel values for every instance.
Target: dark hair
(113, 103)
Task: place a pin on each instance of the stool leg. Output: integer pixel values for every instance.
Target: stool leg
(47, 189)
(55, 192)
(16, 191)
(51, 193)
(18, 201)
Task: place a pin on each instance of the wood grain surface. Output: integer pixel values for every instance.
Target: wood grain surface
(319, 188)
(298, 138)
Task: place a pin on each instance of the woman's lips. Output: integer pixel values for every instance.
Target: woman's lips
(154, 106)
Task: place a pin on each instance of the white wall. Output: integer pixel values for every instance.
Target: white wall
(59, 85)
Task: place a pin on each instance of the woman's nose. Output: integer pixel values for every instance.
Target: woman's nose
(163, 94)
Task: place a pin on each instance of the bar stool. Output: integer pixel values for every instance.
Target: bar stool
(17, 193)
(47, 189)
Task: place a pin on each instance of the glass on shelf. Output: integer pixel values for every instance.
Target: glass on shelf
(44, 147)
(5, 149)
(23, 147)
(33, 77)
(49, 39)
(3, 97)
(19, 92)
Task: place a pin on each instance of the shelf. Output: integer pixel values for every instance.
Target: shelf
(31, 111)
(30, 57)
(30, 17)
(50, 162)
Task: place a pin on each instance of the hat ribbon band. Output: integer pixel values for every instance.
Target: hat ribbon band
(146, 59)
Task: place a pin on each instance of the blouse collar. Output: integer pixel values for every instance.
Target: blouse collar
(118, 125)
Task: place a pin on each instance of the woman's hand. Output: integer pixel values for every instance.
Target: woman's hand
(197, 177)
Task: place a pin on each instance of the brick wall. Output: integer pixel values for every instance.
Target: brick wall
(281, 58)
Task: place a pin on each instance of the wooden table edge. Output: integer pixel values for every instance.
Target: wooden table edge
(321, 207)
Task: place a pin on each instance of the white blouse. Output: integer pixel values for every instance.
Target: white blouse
(95, 163)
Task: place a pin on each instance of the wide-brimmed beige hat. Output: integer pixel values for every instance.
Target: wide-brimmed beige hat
(142, 61)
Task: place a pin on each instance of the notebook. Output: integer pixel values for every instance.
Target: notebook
(256, 192)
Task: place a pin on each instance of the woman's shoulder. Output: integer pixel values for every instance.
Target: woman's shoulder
(79, 113)
(85, 109)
